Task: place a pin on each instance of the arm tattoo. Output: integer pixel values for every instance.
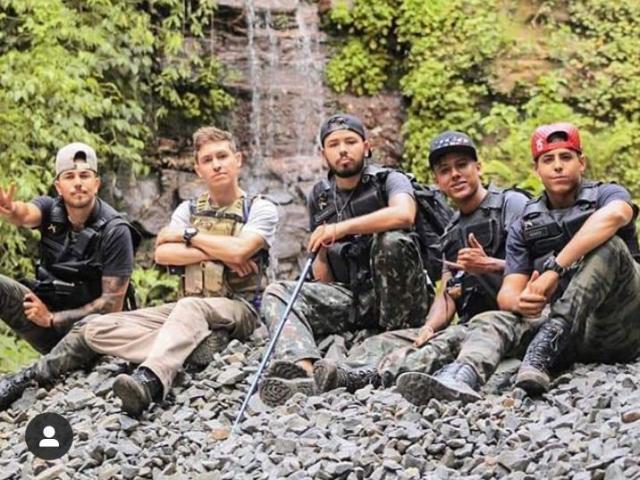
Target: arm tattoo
(114, 290)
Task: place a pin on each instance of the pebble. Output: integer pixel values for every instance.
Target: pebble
(586, 427)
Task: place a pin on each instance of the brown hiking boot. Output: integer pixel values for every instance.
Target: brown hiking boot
(543, 351)
(283, 380)
(203, 354)
(456, 381)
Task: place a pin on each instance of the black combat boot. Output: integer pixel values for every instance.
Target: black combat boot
(456, 381)
(328, 375)
(543, 351)
(283, 380)
(203, 354)
(137, 390)
(13, 385)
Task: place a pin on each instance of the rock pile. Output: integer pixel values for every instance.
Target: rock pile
(587, 427)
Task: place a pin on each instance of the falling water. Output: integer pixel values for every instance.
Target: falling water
(283, 79)
(311, 111)
(255, 82)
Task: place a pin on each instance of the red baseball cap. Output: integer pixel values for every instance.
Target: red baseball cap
(540, 139)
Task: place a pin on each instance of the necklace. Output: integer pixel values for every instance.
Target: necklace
(339, 209)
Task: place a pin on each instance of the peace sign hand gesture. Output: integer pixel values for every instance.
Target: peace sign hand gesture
(6, 201)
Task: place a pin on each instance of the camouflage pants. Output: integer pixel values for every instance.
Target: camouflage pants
(71, 353)
(399, 298)
(393, 352)
(601, 303)
(12, 313)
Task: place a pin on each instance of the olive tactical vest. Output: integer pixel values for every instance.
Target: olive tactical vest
(212, 278)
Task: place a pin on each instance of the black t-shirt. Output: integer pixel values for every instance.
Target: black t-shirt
(117, 246)
(519, 259)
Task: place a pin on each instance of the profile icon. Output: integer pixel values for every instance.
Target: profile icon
(48, 436)
(49, 441)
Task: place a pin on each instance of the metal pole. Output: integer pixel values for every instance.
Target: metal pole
(274, 339)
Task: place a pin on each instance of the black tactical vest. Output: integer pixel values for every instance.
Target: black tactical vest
(69, 272)
(478, 292)
(544, 235)
(348, 258)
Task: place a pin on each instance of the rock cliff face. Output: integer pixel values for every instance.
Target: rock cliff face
(275, 53)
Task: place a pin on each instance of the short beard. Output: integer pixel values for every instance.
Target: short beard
(349, 172)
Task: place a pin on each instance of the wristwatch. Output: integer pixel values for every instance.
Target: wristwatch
(551, 264)
(189, 233)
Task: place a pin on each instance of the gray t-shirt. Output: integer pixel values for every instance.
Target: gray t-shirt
(263, 219)
(396, 183)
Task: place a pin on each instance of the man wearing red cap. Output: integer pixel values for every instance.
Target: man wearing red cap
(570, 267)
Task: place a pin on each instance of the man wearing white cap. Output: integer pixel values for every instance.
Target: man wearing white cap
(86, 259)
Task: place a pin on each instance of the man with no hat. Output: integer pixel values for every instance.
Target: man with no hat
(571, 281)
(368, 270)
(86, 259)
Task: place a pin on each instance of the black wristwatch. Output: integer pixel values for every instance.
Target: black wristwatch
(189, 233)
(551, 264)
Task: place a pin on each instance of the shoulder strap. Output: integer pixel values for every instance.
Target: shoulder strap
(494, 200)
(535, 206)
(58, 215)
(588, 192)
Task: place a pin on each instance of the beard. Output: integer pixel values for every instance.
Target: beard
(349, 170)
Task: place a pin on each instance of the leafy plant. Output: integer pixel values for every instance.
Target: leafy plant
(154, 287)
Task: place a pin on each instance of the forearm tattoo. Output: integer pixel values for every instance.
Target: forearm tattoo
(114, 290)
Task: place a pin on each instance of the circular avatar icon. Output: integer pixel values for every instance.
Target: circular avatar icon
(48, 436)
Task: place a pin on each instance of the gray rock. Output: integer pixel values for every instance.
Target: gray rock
(231, 376)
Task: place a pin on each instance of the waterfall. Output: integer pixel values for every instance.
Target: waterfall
(310, 68)
(285, 78)
(255, 83)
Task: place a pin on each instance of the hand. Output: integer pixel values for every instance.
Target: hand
(546, 284)
(6, 201)
(325, 235)
(36, 311)
(473, 259)
(169, 235)
(531, 301)
(243, 269)
(424, 335)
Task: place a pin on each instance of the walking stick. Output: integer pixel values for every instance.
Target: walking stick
(274, 338)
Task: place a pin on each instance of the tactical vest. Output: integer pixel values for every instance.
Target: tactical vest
(349, 257)
(69, 273)
(544, 235)
(212, 278)
(478, 293)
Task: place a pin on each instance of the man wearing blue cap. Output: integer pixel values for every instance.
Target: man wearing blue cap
(368, 269)
(86, 259)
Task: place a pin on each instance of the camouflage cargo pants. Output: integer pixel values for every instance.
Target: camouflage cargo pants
(601, 303)
(12, 313)
(400, 297)
(393, 352)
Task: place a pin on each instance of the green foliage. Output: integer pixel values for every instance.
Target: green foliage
(112, 74)
(154, 287)
(355, 69)
(453, 58)
(14, 353)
